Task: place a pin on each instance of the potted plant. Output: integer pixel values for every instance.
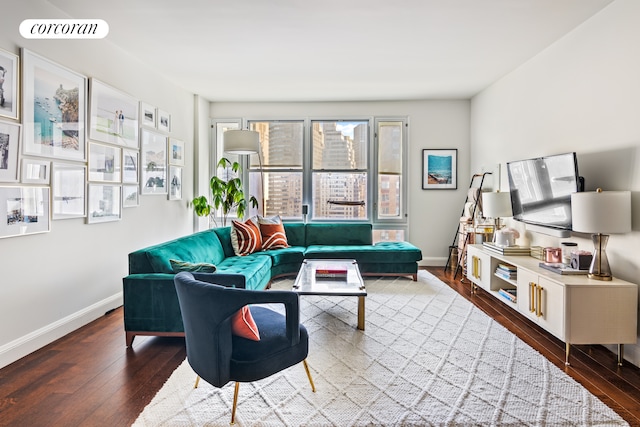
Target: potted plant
(227, 195)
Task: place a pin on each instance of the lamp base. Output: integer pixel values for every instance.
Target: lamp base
(599, 269)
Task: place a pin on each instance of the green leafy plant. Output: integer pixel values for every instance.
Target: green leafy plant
(227, 195)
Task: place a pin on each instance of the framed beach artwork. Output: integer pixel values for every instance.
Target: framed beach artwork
(153, 163)
(35, 171)
(113, 115)
(440, 169)
(147, 115)
(130, 196)
(164, 121)
(9, 148)
(129, 166)
(176, 152)
(68, 190)
(104, 162)
(9, 84)
(175, 183)
(25, 211)
(53, 109)
(104, 203)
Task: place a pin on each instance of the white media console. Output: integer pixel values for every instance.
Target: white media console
(574, 308)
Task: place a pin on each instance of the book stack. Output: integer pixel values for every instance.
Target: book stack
(507, 271)
(508, 294)
(331, 272)
(537, 252)
(507, 250)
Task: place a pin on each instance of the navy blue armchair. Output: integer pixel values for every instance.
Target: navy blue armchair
(218, 356)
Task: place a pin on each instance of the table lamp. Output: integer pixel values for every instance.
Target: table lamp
(601, 212)
(496, 205)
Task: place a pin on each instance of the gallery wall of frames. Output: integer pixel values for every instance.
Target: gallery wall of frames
(72, 146)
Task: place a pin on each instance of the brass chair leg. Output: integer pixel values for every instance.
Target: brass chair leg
(197, 381)
(306, 368)
(235, 403)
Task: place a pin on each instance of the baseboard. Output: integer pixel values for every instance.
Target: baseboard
(433, 262)
(35, 340)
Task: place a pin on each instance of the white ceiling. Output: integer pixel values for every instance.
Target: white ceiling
(334, 50)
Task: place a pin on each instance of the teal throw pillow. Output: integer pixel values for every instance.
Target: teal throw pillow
(200, 267)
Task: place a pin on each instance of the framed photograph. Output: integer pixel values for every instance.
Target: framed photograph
(104, 203)
(9, 84)
(113, 115)
(147, 115)
(175, 183)
(26, 211)
(440, 169)
(9, 148)
(130, 196)
(153, 163)
(164, 121)
(104, 162)
(53, 109)
(35, 171)
(176, 152)
(69, 190)
(129, 166)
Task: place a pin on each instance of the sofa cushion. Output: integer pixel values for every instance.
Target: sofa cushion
(339, 234)
(255, 268)
(245, 237)
(292, 254)
(380, 253)
(273, 236)
(295, 232)
(199, 267)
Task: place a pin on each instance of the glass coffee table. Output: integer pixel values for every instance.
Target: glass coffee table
(339, 277)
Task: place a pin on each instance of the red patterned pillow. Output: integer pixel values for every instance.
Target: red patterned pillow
(273, 236)
(245, 237)
(243, 325)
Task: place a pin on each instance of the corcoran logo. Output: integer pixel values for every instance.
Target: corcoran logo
(64, 29)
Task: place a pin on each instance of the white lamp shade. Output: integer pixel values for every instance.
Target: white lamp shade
(241, 142)
(496, 205)
(606, 212)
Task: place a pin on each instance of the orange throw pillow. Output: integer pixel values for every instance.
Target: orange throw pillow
(245, 237)
(243, 325)
(273, 236)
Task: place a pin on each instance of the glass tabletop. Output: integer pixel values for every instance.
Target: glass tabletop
(329, 277)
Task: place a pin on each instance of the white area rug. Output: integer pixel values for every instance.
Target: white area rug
(428, 357)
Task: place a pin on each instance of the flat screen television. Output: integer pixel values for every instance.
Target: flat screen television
(541, 189)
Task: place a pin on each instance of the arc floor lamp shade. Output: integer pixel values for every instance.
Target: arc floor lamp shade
(241, 142)
(601, 213)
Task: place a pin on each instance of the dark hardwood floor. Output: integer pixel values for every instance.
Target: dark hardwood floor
(89, 378)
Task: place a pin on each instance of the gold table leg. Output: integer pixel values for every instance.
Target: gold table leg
(567, 351)
(620, 354)
(361, 313)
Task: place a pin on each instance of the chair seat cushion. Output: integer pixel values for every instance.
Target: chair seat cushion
(254, 360)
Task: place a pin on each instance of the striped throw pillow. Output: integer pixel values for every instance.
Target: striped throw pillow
(273, 236)
(245, 237)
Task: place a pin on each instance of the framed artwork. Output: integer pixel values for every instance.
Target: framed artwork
(35, 171)
(69, 190)
(130, 196)
(129, 166)
(440, 169)
(147, 115)
(153, 163)
(104, 162)
(176, 152)
(9, 84)
(164, 121)
(175, 183)
(9, 148)
(103, 203)
(53, 109)
(26, 211)
(113, 115)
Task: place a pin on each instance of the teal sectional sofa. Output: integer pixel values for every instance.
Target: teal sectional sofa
(150, 300)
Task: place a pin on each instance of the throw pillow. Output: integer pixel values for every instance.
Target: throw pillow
(245, 237)
(273, 235)
(243, 325)
(200, 267)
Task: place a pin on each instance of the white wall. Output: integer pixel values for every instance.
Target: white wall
(55, 282)
(433, 214)
(581, 94)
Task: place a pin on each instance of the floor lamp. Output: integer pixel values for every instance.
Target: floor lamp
(245, 142)
(601, 212)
